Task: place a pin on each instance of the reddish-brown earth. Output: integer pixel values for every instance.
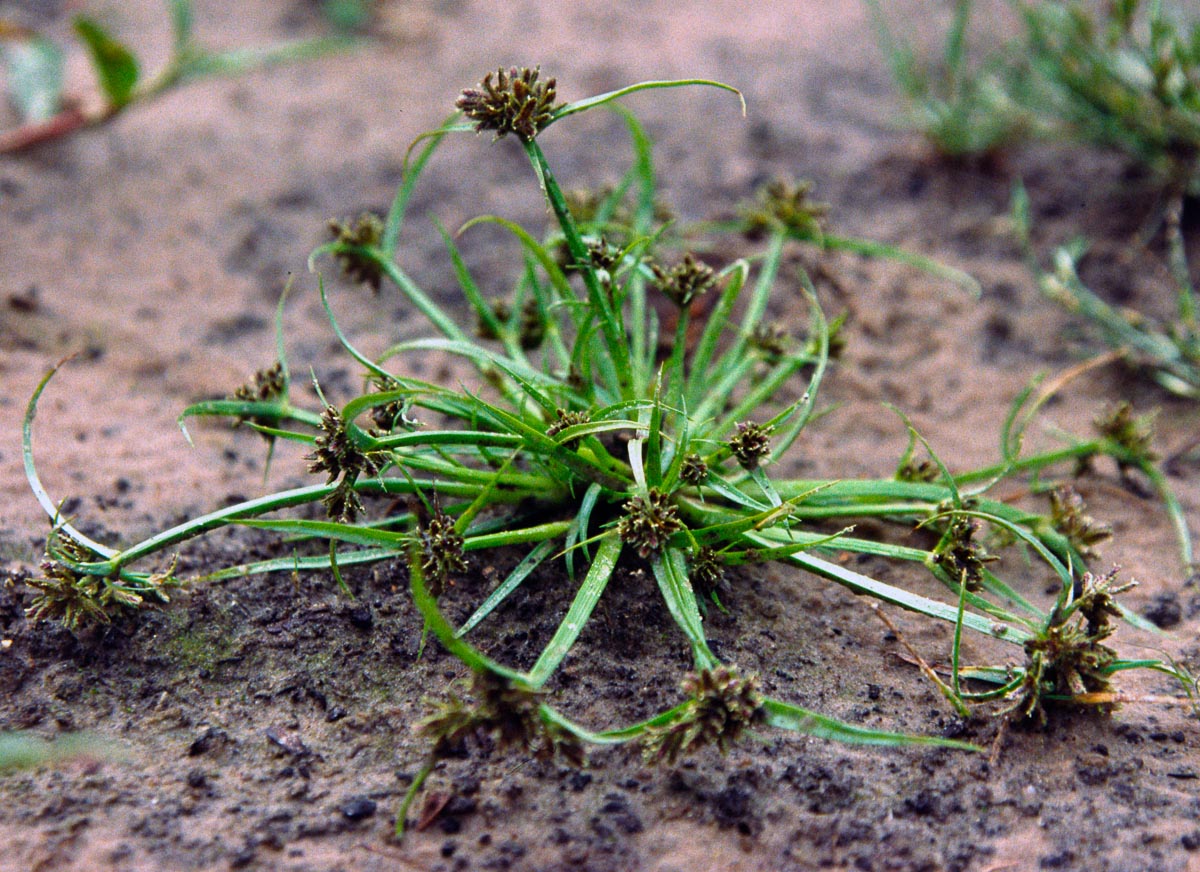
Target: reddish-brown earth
(266, 724)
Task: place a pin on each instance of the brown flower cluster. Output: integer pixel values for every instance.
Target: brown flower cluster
(722, 705)
(518, 101)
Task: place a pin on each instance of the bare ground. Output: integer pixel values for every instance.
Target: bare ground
(265, 724)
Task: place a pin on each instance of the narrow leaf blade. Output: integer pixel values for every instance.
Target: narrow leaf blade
(115, 65)
(579, 612)
(790, 717)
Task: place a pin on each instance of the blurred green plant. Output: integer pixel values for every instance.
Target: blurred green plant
(24, 750)
(1169, 351)
(1126, 77)
(964, 106)
(34, 72)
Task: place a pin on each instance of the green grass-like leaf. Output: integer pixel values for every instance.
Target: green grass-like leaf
(116, 67)
(577, 615)
(601, 99)
(791, 717)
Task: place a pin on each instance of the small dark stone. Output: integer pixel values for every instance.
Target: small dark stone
(288, 741)
(1190, 841)
(1130, 733)
(242, 859)
(579, 780)
(512, 848)
(922, 803)
(460, 805)
(731, 805)
(1092, 770)
(628, 822)
(614, 803)
(955, 728)
(577, 854)
(1164, 611)
(206, 741)
(197, 780)
(356, 808)
(24, 302)
(361, 617)
(1058, 860)
(602, 830)
(449, 847)
(467, 785)
(873, 691)
(121, 852)
(225, 331)
(293, 198)
(456, 750)
(998, 328)
(336, 714)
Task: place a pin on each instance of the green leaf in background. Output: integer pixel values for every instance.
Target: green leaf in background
(237, 61)
(347, 15)
(115, 65)
(35, 76)
(22, 750)
(181, 23)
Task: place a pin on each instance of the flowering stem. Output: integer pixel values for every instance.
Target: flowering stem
(614, 336)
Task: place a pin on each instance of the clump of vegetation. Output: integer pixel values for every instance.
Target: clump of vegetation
(34, 67)
(1067, 659)
(602, 441)
(78, 600)
(963, 105)
(1170, 351)
(1124, 78)
(721, 705)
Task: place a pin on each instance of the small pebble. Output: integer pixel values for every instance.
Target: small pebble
(357, 807)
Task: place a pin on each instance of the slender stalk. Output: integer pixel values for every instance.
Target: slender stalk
(614, 337)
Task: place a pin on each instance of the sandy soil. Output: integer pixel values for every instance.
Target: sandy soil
(265, 724)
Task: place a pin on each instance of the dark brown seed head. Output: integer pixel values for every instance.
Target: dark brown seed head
(751, 444)
(518, 101)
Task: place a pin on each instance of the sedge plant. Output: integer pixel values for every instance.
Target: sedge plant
(1124, 77)
(964, 105)
(608, 426)
(1168, 350)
